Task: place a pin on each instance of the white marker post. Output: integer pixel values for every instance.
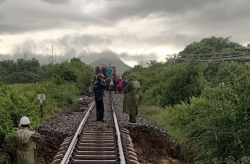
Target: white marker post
(41, 97)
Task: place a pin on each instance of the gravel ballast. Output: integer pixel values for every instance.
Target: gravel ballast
(151, 142)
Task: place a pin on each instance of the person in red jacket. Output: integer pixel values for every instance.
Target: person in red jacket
(120, 88)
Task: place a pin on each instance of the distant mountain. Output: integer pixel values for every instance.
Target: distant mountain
(118, 63)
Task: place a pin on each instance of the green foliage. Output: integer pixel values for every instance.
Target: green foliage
(155, 113)
(170, 83)
(73, 71)
(211, 45)
(13, 106)
(21, 100)
(21, 71)
(30, 71)
(61, 83)
(207, 107)
(211, 128)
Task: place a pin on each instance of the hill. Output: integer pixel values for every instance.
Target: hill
(118, 63)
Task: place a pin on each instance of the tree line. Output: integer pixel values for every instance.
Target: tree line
(31, 71)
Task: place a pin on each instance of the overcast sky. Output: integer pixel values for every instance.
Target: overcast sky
(133, 30)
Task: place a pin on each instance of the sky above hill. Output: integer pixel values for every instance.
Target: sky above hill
(133, 30)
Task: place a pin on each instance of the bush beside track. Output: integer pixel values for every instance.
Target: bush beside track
(62, 84)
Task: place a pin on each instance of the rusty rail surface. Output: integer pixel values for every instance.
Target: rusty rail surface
(110, 146)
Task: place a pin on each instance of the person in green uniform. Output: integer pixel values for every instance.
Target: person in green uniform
(131, 98)
(25, 143)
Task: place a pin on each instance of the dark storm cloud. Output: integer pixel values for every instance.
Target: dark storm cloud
(143, 8)
(226, 19)
(18, 17)
(226, 11)
(198, 19)
(182, 22)
(57, 1)
(11, 28)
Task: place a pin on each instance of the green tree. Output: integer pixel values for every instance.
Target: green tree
(210, 45)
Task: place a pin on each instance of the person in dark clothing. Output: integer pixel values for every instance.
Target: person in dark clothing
(99, 87)
(115, 83)
(104, 71)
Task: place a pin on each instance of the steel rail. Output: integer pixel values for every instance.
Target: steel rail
(118, 134)
(68, 153)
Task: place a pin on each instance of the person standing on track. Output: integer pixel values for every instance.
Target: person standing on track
(99, 87)
(120, 89)
(115, 83)
(131, 98)
(24, 143)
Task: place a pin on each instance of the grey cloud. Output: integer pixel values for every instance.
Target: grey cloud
(197, 19)
(170, 38)
(12, 28)
(185, 22)
(113, 56)
(21, 17)
(28, 50)
(18, 17)
(26, 46)
(28, 55)
(138, 57)
(57, 1)
(83, 40)
(89, 57)
(226, 11)
(227, 19)
(5, 57)
(46, 59)
(143, 8)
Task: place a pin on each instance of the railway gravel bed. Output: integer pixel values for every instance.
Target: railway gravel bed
(56, 129)
(108, 119)
(151, 142)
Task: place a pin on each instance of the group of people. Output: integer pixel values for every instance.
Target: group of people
(25, 137)
(107, 71)
(130, 101)
(113, 82)
(117, 84)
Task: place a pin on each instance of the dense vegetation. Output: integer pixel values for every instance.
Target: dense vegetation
(61, 83)
(205, 107)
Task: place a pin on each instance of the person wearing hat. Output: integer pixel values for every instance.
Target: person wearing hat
(99, 87)
(131, 98)
(25, 143)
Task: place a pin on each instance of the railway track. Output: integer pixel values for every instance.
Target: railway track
(90, 145)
